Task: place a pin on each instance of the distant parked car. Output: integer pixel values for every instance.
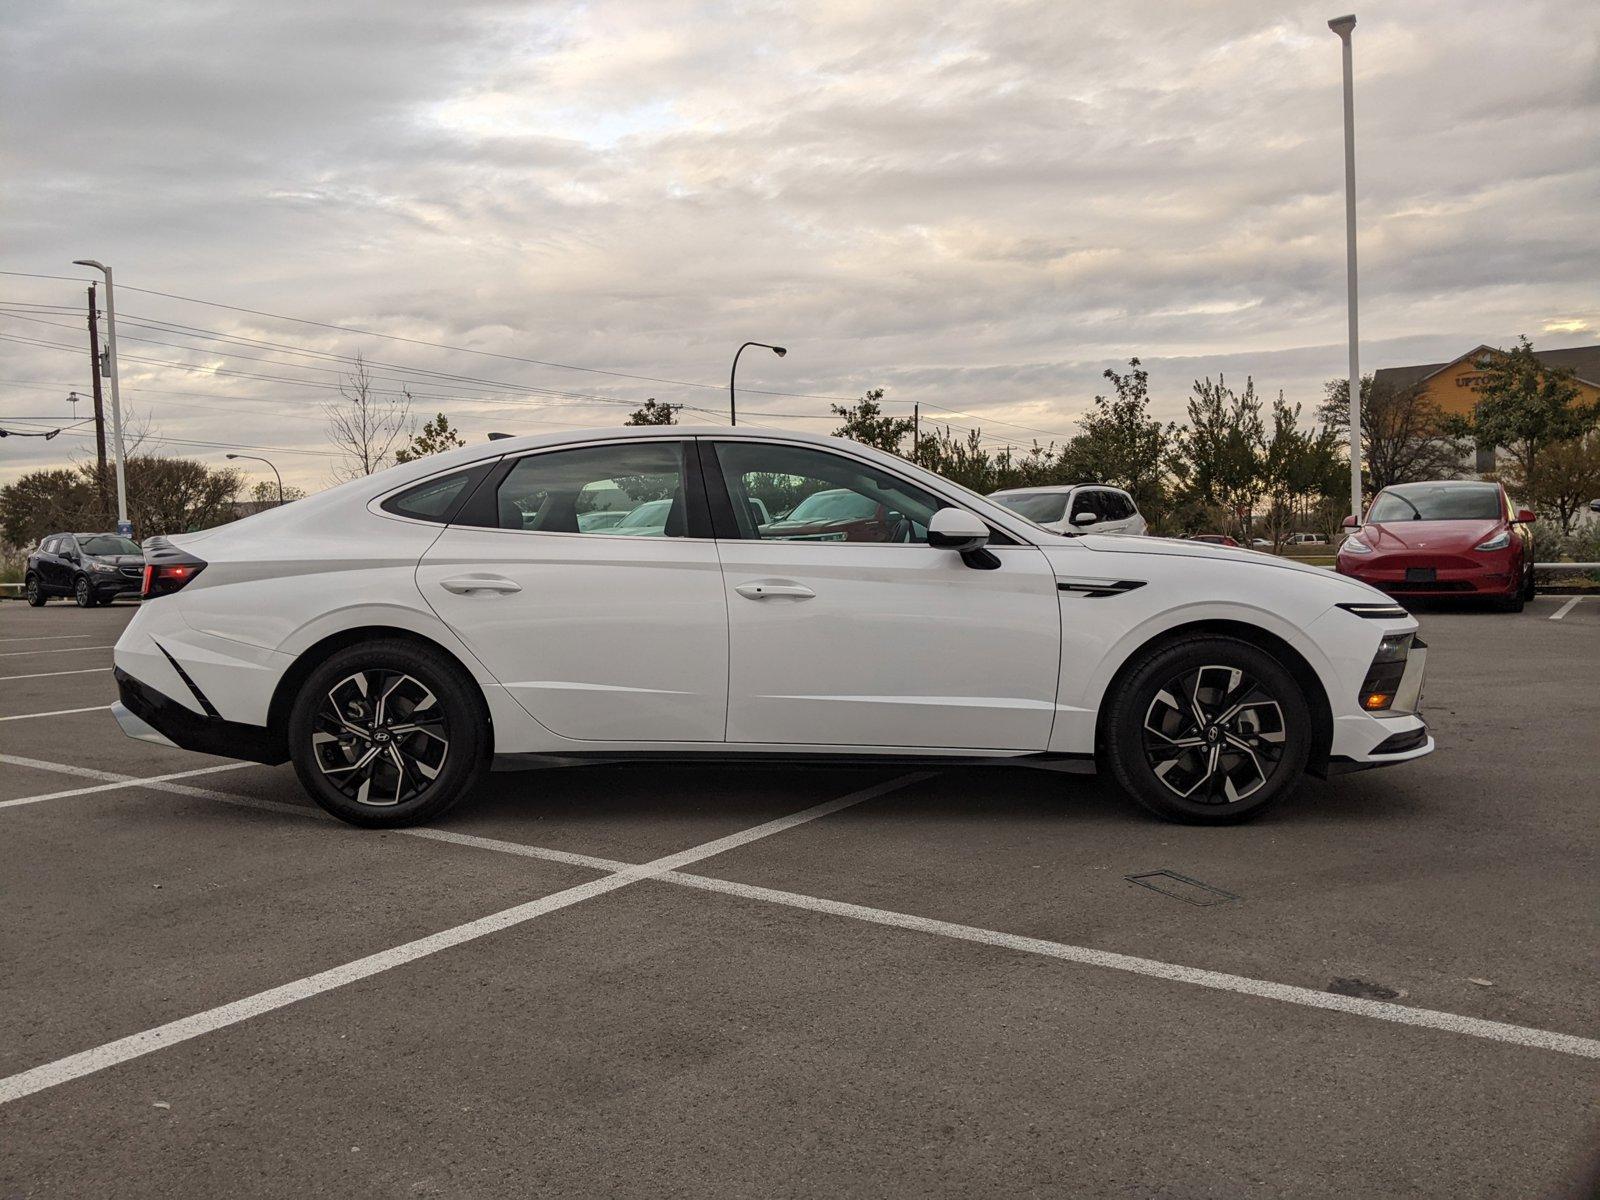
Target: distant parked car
(1594, 506)
(1260, 544)
(92, 568)
(1216, 539)
(1450, 537)
(1306, 539)
(1075, 508)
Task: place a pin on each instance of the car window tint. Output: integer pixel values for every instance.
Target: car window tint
(809, 495)
(633, 490)
(1117, 506)
(1042, 508)
(1083, 501)
(433, 500)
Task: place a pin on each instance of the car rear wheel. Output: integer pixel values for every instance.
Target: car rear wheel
(388, 733)
(83, 592)
(35, 591)
(1208, 730)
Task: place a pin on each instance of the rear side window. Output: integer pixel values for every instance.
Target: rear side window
(622, 490)
(435, 499)
(1116, 506)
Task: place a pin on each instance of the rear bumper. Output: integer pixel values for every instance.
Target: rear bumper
(150, 716)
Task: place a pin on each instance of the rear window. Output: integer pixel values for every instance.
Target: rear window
(1042, 508)
(434, 500)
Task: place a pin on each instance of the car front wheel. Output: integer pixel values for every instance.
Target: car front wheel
(388, 733)
(35, 591)
(1208, 730)
(83, 592)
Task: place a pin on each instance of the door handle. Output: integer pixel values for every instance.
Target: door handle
(765, 591)
(483, 583)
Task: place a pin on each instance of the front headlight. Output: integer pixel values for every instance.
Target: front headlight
(1354, 545)
(1383, 676)
(106, 567)
(1498, 542)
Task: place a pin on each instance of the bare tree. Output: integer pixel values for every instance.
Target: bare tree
(1404, 436)
(365, 425)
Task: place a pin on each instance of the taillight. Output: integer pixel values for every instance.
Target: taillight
(167, 569)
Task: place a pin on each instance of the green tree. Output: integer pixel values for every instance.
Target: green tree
(865, 422)
(654, 413)
(165, 495)
(1525, 406)
(1569, 477)
(1405, 438)
(1122, 444)
(265, 491)
(1301, 473)
(1219, 459)
(434, 436)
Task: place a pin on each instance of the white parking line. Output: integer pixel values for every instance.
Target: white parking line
(57, 650)
(53, 637)
(52, 674)
(60, 712)
(1498, 1031)
(76, 1066)
(122, 783)
(1566, 608)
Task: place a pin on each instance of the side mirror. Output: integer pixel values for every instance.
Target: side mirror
(957, 529)
(1350, 523)
(1084, 518)
(1526, 516)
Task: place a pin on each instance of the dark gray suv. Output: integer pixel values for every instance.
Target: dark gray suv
(92, 568)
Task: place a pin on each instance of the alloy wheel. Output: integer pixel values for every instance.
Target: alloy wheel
(83, 594)
(380, 737)
(1214, 735)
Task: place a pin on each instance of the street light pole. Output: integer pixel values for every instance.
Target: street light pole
(1343, 26)
(733, 415)
(116, 395)
(268, 461)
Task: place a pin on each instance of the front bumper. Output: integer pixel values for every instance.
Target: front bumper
(150, 716)
(1492, 577)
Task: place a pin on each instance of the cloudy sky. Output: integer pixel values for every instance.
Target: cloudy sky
(977, 206)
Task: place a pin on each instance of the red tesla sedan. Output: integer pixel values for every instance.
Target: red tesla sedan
(1449, 537)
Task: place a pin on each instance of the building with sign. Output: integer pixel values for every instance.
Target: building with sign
(1453, 386)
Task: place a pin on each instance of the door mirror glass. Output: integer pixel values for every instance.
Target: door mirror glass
(957, 529)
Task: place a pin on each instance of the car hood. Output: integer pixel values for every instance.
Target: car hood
(117, 560)
(1428, 535)
(1111, 544)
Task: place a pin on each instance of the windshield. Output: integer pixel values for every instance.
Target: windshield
(1438, 502)
(837, 504)
(652, 513)
(1039, 507)
(106, 543)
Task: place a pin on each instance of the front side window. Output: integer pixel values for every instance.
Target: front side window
(617, 491)
(1438, 502)
(1085, 500)
(800, 494)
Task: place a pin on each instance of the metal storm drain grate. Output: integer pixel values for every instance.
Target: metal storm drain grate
(1181, 887)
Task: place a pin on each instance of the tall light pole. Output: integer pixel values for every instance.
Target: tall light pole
(123, 527)
(268, 461)
(1343, 26)
(733, 414)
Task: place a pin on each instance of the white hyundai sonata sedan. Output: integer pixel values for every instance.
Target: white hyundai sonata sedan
(763, 595)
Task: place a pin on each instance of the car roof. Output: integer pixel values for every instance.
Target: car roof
(1046, 489)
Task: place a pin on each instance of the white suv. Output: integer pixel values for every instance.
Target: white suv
(1075, 508)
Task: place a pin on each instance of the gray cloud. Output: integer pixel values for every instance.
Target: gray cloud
(976, 205)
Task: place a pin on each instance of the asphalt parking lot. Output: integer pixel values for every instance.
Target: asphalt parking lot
(645, 981)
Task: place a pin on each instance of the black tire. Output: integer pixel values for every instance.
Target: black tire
(1529, 585)
(83, 592)
(1231, 765)
(35, 592)
(323, 747)
(1513, 601)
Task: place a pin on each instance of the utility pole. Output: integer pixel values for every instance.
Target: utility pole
(99, 410)
(124, 527)
(1344, 26)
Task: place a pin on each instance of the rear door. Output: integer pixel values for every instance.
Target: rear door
(618, 634)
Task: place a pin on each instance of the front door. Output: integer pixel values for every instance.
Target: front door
(580, 588)
(847, 629)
